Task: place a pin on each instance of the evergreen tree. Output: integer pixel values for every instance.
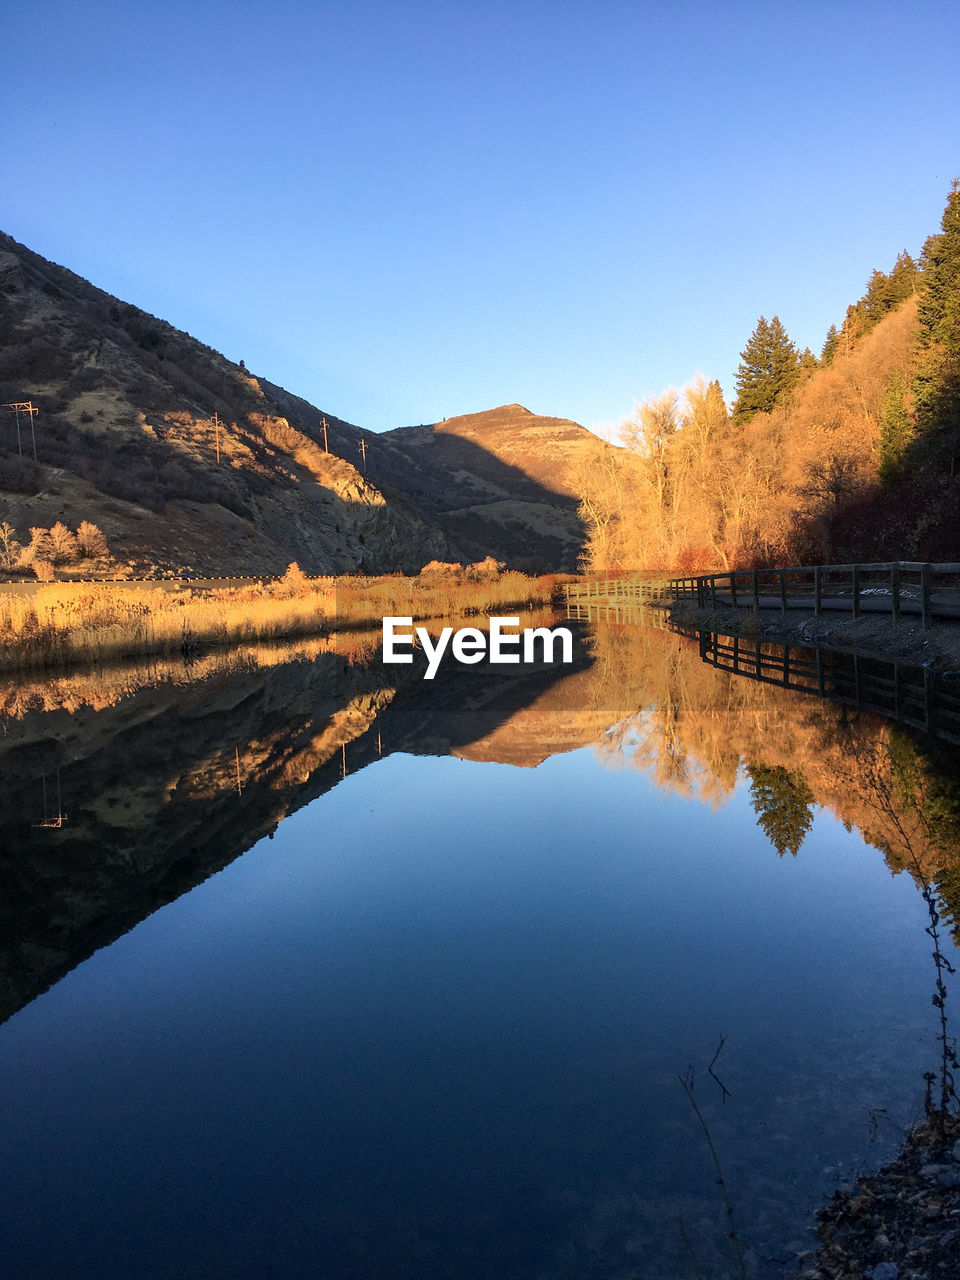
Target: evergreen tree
(896, 430)
(768, 368)
(904, 277)
(783, 802)
(716, 406)
(937, 385)
(830, 346)
(878, 299)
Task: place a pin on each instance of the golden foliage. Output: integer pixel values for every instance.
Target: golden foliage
(694, 491)
(80, 622)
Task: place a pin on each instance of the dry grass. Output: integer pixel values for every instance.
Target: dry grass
(67, 623)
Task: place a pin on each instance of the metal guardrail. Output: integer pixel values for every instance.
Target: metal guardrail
(173, 577)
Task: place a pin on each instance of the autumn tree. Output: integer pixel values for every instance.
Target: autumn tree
(768, 369)
(63, 544)
(39, 548)
(10, 548)
(91, 541)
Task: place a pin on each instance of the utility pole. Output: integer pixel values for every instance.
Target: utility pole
(326, 447)
(362, 446)
(216, 424)
(24, 406)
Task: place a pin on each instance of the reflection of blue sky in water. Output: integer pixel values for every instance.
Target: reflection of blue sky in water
(434, 1027)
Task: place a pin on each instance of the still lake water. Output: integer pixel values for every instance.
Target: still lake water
(432, 1024)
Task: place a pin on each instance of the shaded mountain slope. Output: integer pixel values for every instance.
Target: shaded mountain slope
(497, 483)
(190, 463)
(184, 459)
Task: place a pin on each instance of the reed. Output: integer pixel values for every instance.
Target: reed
(62, 624)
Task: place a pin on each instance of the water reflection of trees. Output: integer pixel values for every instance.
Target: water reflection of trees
(692, 728)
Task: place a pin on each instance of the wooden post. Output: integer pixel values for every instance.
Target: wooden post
(326, 447)
(856, 599)
(736, 653)
(895, 590)
(783, 591)
(713, 592)
(33, 435)
(925, 595)
(756, 591)
(733, 589)
(817, 591)
(820, 688)
(786, 665)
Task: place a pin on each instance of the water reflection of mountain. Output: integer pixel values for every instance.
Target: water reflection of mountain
(112, 811)
(166, 776)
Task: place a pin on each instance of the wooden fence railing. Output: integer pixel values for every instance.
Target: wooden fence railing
(899, 588)
(914, 695)
(635, 612)
(633, 590)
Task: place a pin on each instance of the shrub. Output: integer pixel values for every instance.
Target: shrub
(294, 582)
(40, 548)
(44, 570)
(64, 548)
(92, 543)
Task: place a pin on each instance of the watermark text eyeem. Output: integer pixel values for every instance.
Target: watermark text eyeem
(470, 644)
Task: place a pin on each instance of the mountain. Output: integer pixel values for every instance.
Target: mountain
(497, 483)
(189, 463)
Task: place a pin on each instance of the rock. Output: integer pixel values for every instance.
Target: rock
(949, 1178)
(883, 1271)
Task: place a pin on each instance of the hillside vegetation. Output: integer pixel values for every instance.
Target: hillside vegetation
(852, 456)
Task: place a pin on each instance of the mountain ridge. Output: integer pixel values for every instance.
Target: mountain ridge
(190, 463)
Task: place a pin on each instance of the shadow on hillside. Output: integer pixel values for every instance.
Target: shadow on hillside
(913, 516)
(455, 483)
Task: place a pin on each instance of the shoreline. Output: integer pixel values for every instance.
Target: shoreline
(900, 1223)
(872, 636)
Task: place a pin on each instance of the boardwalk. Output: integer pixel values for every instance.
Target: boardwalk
(899, 588)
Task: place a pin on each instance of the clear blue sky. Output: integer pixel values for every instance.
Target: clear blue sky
(405, 211)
